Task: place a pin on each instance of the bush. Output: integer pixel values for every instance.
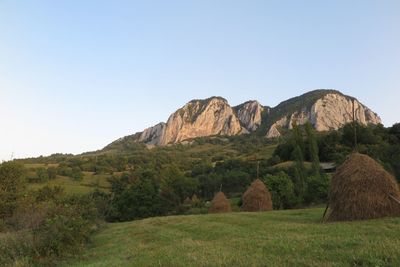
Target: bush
(317, 189)
(282, 189)
(42, 175)
(76, 174)
(16, 249)
(46, 227)
(141, 199)
(64, 171)
(52, 173)
(11, 185)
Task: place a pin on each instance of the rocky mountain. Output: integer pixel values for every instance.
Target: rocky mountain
(197, 118)
(325, 109)
(250, 115)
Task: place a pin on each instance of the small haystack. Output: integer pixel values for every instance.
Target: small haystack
(195, 201)
(187, 201)
(361, 189)
(220, 204)
(257, 197)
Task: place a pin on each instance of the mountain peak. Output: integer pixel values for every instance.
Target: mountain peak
(326, 109)
(208, 100)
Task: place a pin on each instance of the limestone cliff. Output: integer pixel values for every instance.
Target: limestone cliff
(325, 109)
(152, 135)
(197, 118)
(329, 112)
(250, 115)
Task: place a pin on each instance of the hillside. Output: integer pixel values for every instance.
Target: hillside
(278, 238)
(209, 149)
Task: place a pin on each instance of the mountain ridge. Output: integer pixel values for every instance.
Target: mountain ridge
(326, 109)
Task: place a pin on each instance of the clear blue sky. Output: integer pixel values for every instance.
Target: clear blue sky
(75, 75)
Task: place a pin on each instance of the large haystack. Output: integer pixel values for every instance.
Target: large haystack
(257, 197)
(220, 204)
(361, 189)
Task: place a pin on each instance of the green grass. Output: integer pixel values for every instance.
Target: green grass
(40, 165)
(288, 164)
(89, 183)
(278, 238)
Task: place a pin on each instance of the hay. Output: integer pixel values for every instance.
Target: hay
(257, 197)
(187, 201)
(361, 189)
(220, 204)
(195, 201)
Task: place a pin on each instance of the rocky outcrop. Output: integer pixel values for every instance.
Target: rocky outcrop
(153, 135)
(275, 129)
(197, 118)
(330, 112)
(324, 109)
(250, 115)
(334, 110)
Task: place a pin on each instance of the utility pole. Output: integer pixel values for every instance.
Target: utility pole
(258, 169)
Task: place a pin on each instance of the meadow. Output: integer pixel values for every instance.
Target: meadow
(89, 182)
(277, 238)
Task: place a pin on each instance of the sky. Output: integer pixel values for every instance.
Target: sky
(76, 75)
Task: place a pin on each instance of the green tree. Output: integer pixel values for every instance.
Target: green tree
(140, 199)
(298, 157)
(297, 138)
(313, 149)
(299, 173)
(282, 190)
(317, 189)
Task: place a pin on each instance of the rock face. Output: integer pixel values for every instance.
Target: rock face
(197, 118)
(334, 110)
(152, 135)
(250, 115)
(324, 109)
(330, 112)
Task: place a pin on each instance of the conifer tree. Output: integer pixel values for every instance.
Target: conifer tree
(313, 149)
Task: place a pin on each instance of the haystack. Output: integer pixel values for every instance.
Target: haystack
(257, 197)
(220, 204)
(195, 201)
(361, 189)
(187, 201)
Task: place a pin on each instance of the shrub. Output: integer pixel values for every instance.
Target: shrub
(282, 190)
(52, 172)
(138, 200)
(76, 174)
(317, 189)
(11, 185)
(47, 227)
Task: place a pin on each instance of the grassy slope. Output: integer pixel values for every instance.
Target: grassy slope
(279, 238)
(89, 182)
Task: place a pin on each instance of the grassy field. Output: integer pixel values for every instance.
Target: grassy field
(278, 238)
(89, 183)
